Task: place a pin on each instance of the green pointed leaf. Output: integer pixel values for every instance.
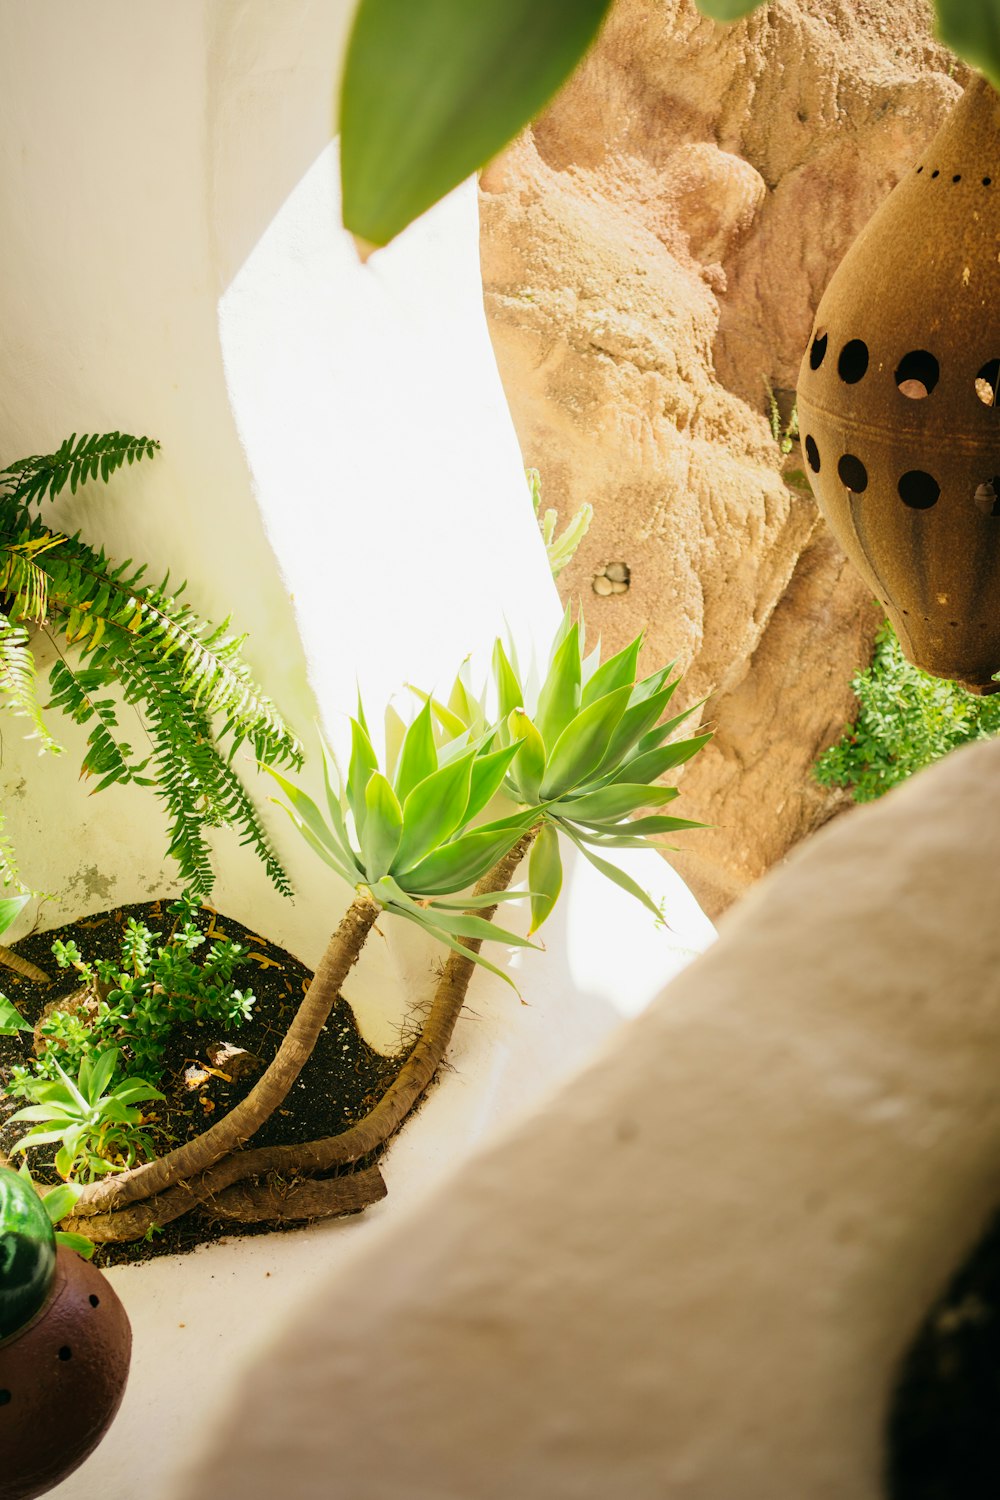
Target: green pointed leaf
(433, 811)
(363, 763)
(633, 724)
(463, 861)
(336, 802)
(78, 1243)
(735, 10)
(478, 903)
(529, 768)
(432, 91)
(460, 924)
(641, 827)
(306, 812)
(440, 936)
(460, 701)
(545, 874)
(61, 1201)
(11, 1021)
(351, 873)
(102, 1071)
(452, 723)
(655, 737)
(618, 671)
(383, 826)
(619, 878)
(559, 699)
(418, 758)
(510, 694)
(612, 803)
(136, 1091)
(583, 745)
(395, 734)
(648, 767)
(972, 29)
(11, 908)
(488, 772)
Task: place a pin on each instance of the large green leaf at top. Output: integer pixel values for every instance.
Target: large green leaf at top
(432, 89)
(972, 29)
(383, 826)
(418, 757)
(734, 10)
(433, 811)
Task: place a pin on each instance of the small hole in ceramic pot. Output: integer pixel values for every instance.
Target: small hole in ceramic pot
(987, 182)
(65, 1352)
(812, 454)
(953, 624)
(987, 496)
(853, 362)
(917, 374)
(919, 490)
(817, 352)
(957, 177)
(5, 1398)
(935, 173)
(94, 1300)
(919, 170)
(988, 382)
(853, 474)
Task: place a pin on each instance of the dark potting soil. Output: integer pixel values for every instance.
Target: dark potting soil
(339, 1084)
(944, 1427)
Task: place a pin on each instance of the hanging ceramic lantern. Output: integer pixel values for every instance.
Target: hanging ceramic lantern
(65, 1345)
(898, 400)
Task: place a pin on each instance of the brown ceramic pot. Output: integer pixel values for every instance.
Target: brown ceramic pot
(898, 400)
(62, 1377)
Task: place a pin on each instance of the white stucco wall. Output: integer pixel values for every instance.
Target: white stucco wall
(339, 470)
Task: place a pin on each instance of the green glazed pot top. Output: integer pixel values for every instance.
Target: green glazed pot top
(27, 1252)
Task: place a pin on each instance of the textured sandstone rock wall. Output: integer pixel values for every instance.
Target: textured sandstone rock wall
(652, 253)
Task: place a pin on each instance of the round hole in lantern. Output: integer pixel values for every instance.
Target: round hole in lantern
(988, 382)
(852, 365)
(918, 490)
(917, 374)
(853, 474)
(987, 496)
(817, 351)
(812, 454)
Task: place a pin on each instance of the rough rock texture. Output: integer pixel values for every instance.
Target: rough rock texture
(653, 252)
(692, 1273)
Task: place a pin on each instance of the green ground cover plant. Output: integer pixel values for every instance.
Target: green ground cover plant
(906, 719)
(129, 650)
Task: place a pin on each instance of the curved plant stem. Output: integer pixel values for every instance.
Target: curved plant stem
(229, 1133)
(22, 966)
(211, 1187)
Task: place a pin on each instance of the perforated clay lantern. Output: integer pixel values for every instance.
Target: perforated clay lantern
(898, 400)
(65, 1345)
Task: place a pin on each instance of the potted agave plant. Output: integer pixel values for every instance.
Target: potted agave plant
(464, 792)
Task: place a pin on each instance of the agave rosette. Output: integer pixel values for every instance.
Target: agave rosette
(407, 833)
(590, 755)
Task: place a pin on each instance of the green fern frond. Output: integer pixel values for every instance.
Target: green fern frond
(136, 643)
(17, 681)
(75, 461)
(9, 874)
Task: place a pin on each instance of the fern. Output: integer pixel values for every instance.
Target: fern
(17, 681)
(9, 873)
(134, 643)
(74, 462)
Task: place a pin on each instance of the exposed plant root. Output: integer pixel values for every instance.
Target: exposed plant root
(22, 966)
(229, 1133)
(213, 1185)
(253, 1203)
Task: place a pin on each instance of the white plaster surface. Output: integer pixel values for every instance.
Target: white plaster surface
(692, 1273)
(338, 468)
